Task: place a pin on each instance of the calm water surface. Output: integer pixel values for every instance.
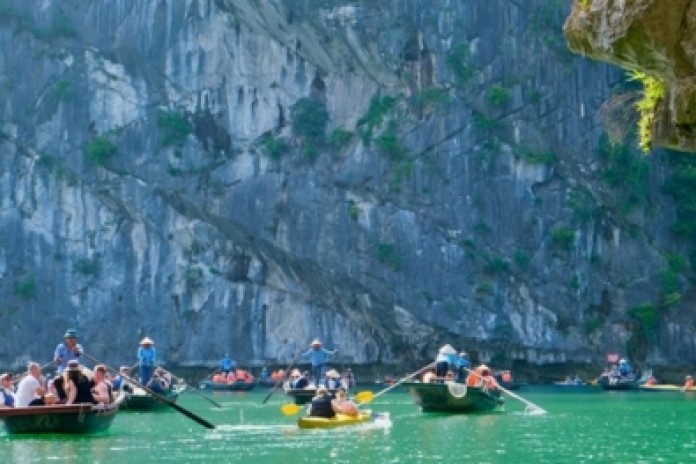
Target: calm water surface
(580, 427)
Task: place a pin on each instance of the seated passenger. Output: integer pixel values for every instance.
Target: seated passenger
(79, 385)
(449, 377)
(49, 399)
(651, 381)
(161, 381)
(231, 378)
(342, 405)
(429, 377)
(688, 383)
(333, 380)
(321, 405)
(102, 391)
(120, 380)
(7, 398)
(506, 377)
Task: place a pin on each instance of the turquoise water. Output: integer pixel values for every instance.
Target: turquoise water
(579, 427)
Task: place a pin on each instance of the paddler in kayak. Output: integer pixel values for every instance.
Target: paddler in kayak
(317, 356)
(321, 405)
(343, 405)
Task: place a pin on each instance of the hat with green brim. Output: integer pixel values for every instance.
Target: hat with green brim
(70, 333)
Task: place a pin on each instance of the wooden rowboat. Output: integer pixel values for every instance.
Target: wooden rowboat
(140, 400)
(453, 397)
(666, 388)
(83, 418)
(340, 420)
(302, 396)
(239, 385)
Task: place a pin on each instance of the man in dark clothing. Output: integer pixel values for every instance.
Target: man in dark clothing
(321, 405)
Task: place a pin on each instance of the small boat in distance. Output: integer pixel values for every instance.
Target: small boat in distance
(140, 400)
(63, 419)
(341, 420)
(667, 388)
(239, 385)
(453, 398)
(624, 382)
(302, 396)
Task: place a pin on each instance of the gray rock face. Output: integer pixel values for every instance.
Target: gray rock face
(139, 194)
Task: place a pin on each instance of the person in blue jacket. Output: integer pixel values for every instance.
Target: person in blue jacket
(67, 351)
(446, 359)
(146, 359)
(624, 367)
(317, 357)
(462, 365)
(226, 364)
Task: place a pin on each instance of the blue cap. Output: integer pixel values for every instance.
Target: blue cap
(70, 333)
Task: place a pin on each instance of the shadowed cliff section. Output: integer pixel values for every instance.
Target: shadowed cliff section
(653, 37)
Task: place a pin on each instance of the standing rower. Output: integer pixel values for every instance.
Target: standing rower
(68, 350)
(146, 359)
(317, 357)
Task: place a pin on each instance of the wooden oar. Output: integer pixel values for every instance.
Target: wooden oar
(367, 396)
(533, 407)
(159, 397)
(194, 390)
(280, 381)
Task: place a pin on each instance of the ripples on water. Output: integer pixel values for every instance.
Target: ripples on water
(580, 427)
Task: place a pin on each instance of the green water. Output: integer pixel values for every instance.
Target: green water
(579, 427)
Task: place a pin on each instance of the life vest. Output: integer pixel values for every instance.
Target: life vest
(231, 378)
(9, 398)
(473, 380)
(507, 377)
(217, 378)
(276, 375)
(689, 383)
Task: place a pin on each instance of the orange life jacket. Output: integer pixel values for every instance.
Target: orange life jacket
(689, 383)
(231, 378)
(473, 380)
(217, 378)
(507, 377)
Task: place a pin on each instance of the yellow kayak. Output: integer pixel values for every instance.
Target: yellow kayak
(664, 388)
(339, 421)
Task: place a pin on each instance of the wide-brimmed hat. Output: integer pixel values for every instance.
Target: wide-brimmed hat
(147, 341)
(295, 372)
(462, 354)
(447, 349)
(688, 377)
(315, 342)
(333, 374)
(622, 360)
(70, 333)
(5, 375)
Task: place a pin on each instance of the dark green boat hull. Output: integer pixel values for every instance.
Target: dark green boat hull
(58, 420)
(435, 397)
(148, 402)
(237, 386)
(302, 396)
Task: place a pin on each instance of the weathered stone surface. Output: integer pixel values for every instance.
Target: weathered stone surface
(650, 36)
(211, 245)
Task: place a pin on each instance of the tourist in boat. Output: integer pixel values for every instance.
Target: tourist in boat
(102, 391)
(227, 364)
(219, 378)
(476, 378)
(321, 405)
(624, 367)
(463, 365)
(30, 387)
(506, 377)
(264, 374)
(49, 399)
(333, 380)
(68, 350)
(57, 387)
(7, 396)
(317, 356)
(449, 377)
(120, 381)
(230, 378)
(688, 383)
(161, 381)
(79, 385)
(446, 360)
(429, 377)
(342, 405)
(146, 359)
(297, 380)
(651, 380)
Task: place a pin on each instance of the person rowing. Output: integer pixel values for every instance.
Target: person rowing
(68, 350)
(446, 360)
(317, 356)
(146, 359)
(227, 364)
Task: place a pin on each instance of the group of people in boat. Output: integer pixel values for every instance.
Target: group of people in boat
(75, 383)
(617, 372)
(326, 405)
(456, 368)
(227, 372)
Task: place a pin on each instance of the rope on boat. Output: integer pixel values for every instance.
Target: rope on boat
(457, 390)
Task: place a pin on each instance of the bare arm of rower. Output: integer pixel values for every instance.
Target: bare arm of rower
(72, 392)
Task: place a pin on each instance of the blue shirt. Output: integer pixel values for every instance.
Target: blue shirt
(66, 355)
(318, 357)
(624, 368)
(463, 362)
(449, 358)
(226, 364)
(146, 356)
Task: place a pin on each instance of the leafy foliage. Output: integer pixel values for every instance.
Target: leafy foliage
(390, 144)
(386, 254)
(497, 95)
(174, 127)
(26, 288)
(626, 171)
(87, 267)
(532, 157)
(339, 137)
(100, 150)
(274, 148)
(647, 316)
(61, 89)
(458, 61)
(309, 118)
(378, 110)
(563, 237)
(682, 187)
(653, 92)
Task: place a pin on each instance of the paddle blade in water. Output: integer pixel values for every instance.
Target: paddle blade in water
(364, 397)
(290, 409)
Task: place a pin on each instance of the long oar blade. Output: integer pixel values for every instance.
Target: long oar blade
(364, 396)
(290, 409)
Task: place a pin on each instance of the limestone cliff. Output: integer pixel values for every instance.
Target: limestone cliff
(245, 175)
(651, 36)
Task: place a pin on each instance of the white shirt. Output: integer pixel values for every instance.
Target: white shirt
(26, 391)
